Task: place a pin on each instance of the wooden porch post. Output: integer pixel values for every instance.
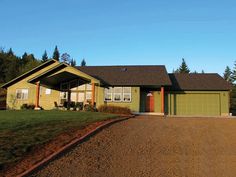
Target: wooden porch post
(37, 96)
(93, 94)
(162, 100)
(68, 99)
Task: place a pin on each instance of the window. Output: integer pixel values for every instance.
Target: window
(82, 87)
(81, 97)
(22, 94)
(88, 87)
(88, 95)
(48, 91)
(63, 95)
(126, 94)
(117, 94)
(108, 94)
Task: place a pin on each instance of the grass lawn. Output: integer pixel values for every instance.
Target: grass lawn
(21, 130)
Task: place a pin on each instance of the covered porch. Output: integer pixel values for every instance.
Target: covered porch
(152, 100)
(70, 83)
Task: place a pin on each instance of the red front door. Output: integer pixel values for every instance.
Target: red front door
(149, 102)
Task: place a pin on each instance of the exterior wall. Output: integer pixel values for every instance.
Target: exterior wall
(195, 103)
(134, 105)
(157, 101)
(13, 103)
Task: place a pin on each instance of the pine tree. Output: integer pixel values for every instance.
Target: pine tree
(183, 68)
(233, 75)
(56, 54)
(83, 62)
(10, 52)
(73, 62)
(45, 56)
(228, 74)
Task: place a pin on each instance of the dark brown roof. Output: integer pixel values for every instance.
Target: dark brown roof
(204, 82)
(129, 75)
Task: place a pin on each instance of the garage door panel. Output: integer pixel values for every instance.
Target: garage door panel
(197, 104)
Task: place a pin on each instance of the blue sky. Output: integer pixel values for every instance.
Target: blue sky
(107, 32)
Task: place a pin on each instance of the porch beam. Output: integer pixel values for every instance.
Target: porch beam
(162, 100)
(37, 96)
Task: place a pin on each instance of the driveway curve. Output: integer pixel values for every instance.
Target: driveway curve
(149, 146)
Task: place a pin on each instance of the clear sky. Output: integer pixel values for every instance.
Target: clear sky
(109, 32)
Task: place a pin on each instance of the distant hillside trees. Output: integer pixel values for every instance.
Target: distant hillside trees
(12, 66)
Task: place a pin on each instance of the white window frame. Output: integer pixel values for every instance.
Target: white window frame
(86, 95)
(127, 93)
(62, 95)
(110, 93)
(22, 97)
(48, 91)
(117, 93)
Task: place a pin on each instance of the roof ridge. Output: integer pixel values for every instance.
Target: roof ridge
(122, 66)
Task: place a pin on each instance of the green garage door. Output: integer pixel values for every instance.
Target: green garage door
(197, 104)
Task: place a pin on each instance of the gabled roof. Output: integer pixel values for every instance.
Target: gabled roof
(129, 75)
(47, 63)
(198, 82)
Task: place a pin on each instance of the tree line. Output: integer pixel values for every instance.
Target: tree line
(12, 65)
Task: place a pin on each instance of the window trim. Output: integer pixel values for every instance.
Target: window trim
(109, 94)
(130, 93)
(118, 93)
(121, 94)
(21, 93)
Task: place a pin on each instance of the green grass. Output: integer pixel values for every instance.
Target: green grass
(22, 130)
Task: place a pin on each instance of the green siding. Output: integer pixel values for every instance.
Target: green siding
(134, 105)
(197, 103)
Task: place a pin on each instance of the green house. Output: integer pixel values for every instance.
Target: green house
(143, 89)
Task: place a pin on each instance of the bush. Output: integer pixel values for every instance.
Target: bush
(27, 106)
(114, 109)
(90, 108)
(79, 105)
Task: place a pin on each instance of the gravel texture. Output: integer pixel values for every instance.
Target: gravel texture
(153, 147)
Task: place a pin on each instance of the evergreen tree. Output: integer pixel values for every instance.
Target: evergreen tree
(83, 62)
(73, 62)
(228, 74)
(203, 72)
(56, 54)
(65, 57)
(183, 68)
(45, 56)
(10, 52)
(234, 73)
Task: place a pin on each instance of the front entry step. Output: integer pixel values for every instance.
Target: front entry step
(149, 113)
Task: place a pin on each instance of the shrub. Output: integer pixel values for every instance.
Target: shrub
(90, 108)
(27, 106)
(79, 105)
(114, 109)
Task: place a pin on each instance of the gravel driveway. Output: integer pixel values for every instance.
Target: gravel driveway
(153, 147)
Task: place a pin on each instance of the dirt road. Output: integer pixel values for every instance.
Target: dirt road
(154, 147)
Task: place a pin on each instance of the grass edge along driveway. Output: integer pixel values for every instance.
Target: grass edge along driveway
(22, 130)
